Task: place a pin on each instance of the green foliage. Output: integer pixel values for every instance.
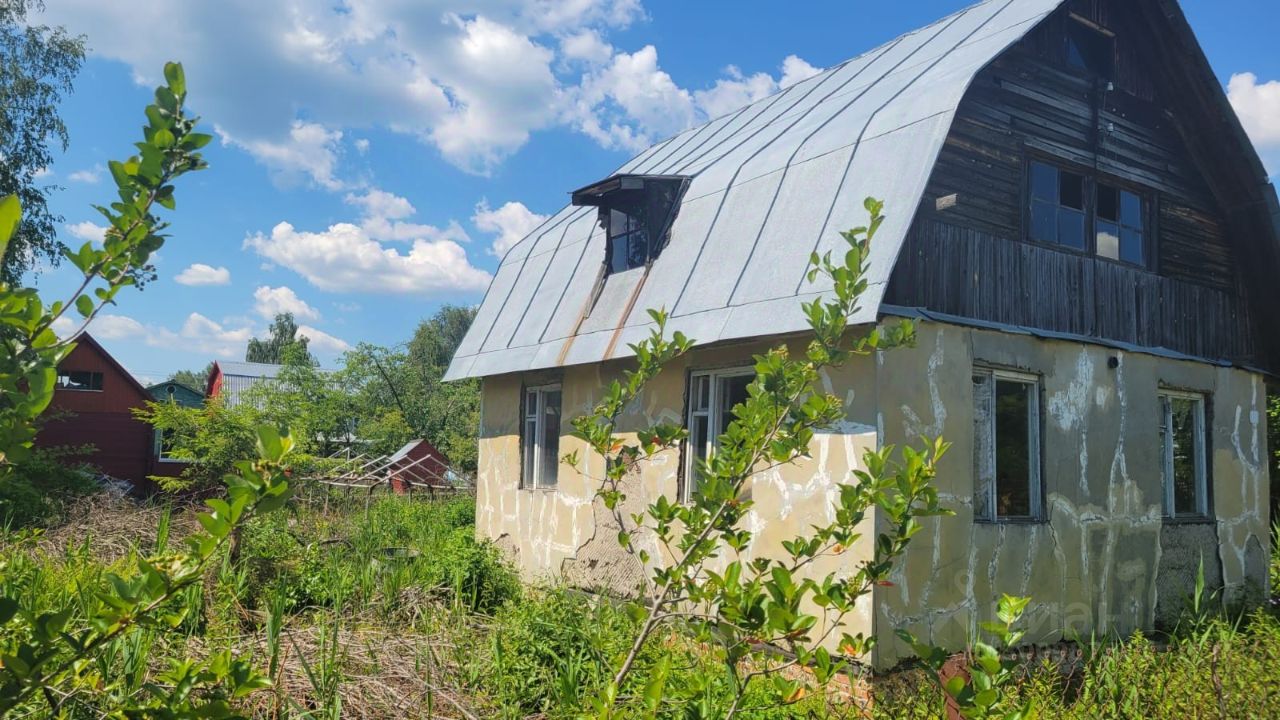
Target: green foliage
(370, 560)
(758, 614)
(553, 646)
(39, 487)
(213, 438)
(30, 350)
(194, 379)
(984, 690)
(282, 336)
(49, 657)
(309, 401)
(411, 381)
(37, 65)
(1226, 670)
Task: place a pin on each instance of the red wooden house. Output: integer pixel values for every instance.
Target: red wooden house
(418, 462)
(93, 405)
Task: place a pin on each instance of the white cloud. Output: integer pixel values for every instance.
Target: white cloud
(1258, 105)
(269, 302)
(199, 274)
(309, 151)
(321, 341)
(502, 87)
(42, 173)
(795, 70)
(345, 258)
(90, 176)
(198, 335)
(474, 79)
(383, 216)
(734, 91)
(586, 46)
(632, 102)
(86, 231)
(382, 204)
(116, 327)
(511, 223)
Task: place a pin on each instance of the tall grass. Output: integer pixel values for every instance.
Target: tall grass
(395, 610)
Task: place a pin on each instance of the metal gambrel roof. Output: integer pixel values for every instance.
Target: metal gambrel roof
(770, 183)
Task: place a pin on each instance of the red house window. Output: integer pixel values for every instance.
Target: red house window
(80, 380)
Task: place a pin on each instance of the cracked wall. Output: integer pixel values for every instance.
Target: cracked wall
(566, 534)
(1104, 559)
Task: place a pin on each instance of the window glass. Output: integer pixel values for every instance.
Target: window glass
(1006, 447)
(1131, 211)
(1061, 214)
(1108, 240)
(1131, 247)
(541, 440)
(530, 449)
(1044, 222)
(732, 393)
(79, 380)
(1071, 229)
(549, 448)
(1013, 449)
(1184, 457)
(1090, 50)
(1044, 182)
(1182, 444)
(712, 398)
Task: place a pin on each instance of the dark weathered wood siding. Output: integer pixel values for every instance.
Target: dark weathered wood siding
(971, 259)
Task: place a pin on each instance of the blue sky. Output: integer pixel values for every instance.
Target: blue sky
(376, 156)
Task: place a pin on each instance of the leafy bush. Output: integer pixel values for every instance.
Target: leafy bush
(38, 489)
(552, 649)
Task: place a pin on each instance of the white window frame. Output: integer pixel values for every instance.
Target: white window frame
(1034, 446)
(532, 442)
(1200, 447)
(716, 423)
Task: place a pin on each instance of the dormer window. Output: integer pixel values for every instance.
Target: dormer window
(636, 212)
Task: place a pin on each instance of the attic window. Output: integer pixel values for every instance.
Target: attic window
(86, 380)
(636, 212)
(1090, 47)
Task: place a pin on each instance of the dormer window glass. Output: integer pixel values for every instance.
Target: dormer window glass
(636, 212)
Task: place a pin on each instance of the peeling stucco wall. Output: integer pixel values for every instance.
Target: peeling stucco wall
(1103, 560)
(567, 533)
(1097, 562)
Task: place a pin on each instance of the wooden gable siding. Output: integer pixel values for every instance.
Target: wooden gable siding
(1028, 104)
(122, 445)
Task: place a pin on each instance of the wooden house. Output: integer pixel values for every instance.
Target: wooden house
(1088, 241)
(92, 408)
(170, 392)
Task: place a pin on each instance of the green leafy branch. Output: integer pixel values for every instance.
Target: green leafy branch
(755, 612)
(984, 689)
(31, 349)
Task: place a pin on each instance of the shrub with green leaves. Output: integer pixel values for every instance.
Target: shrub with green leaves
(40, 487)
(758, 615)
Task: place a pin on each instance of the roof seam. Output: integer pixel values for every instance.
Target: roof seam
(702, 246)
(853, 155)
